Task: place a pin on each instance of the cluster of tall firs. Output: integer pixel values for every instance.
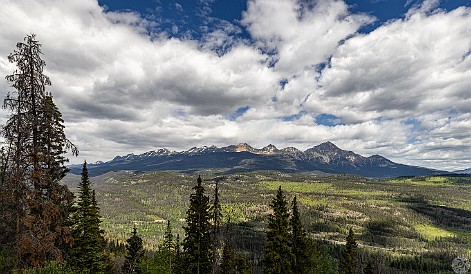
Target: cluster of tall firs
(207, 247)
(290, 251)
(40, 222)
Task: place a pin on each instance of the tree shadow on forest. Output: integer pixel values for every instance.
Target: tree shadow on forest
(440, 215)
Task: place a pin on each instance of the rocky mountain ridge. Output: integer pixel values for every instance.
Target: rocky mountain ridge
(326, 157)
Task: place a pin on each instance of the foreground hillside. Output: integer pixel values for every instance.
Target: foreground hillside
(410, 225)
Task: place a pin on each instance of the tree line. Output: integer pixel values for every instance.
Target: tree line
(46, 229)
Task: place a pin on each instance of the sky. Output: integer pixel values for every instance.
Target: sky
(388, 77)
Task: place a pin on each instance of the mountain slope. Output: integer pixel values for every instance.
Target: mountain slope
(325, 157)
(464, 171)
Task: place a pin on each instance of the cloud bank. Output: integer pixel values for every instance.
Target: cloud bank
(402, 90)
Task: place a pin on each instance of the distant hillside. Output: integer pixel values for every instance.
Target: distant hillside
(325, 157)
(464, 171)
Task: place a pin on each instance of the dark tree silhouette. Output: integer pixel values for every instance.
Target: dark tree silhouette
(88, 251)
(197, 243)
(134, 253)
(216, 235)
(299, 246)
(349, 258)
(168, 245)
(278, 255)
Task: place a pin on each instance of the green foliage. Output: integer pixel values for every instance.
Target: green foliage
(88, 251)
(5, 261)
(168, 247)
(278, 255)
(155, 263)
(349, 259)
(51, 268)
(320, 260)
(299, 248)
(198, 242)
(134, 253)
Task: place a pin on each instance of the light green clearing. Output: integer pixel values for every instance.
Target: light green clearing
(429, 181)
(431, 232)
(322, 188)
(299, 187)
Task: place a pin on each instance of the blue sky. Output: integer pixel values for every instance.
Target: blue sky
(388, 77)
(192, 15)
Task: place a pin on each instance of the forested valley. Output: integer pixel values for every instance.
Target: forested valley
(207, 221)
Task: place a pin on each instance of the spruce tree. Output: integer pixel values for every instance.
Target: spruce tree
(278, 255)
(88, 251)
(349, 258)
(35, 145)
(197, 243)
(216, 235)
(134, 253)
(177, 266)
(299, 248)
(168, 245)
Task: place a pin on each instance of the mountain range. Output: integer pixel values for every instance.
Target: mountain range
(326, 158)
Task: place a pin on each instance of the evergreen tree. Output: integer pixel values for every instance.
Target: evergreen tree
(197, 243)
(168, 245)
(299, 248)
(35, 145)
(177, 266)
(216, 237)
(134, 253)
(88, 251)
(278, 255)
(349, 260)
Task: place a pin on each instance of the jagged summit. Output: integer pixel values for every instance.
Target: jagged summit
(325, 157)
(327, 146)
(270, 149)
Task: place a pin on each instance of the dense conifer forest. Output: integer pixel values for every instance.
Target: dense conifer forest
(207, 221)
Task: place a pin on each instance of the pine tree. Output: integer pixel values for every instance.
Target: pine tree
(134, 253)
(299, 248)
(278, 255)
(35, 145)
(168, 245)
(197, 243)
(177, 266)
(216, 237)
(349, 260)
(88, 251)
